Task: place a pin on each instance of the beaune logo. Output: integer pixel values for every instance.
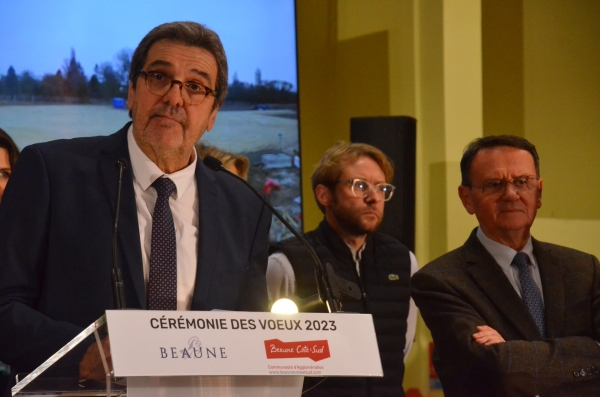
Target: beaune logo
(316, 350)
(193, 350)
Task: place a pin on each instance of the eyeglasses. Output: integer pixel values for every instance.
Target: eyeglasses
(522, 184)
(160, 84)
(361, 188)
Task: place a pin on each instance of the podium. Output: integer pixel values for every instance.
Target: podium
(216, 353)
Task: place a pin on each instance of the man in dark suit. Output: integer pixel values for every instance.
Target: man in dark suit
(58, 212)
(510, 315)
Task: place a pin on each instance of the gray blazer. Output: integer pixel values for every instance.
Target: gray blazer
(466, 288)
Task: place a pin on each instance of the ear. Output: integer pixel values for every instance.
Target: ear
(539, 198)
(130, 93)
(465, 196)
(211, 119)
(323, 195)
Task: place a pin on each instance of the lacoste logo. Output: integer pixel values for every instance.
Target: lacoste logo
(393, 277)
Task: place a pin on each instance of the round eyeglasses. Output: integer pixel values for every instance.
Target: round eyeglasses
(361, 188)
(192, 92)
(522, 184)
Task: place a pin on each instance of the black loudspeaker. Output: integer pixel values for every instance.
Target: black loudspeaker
(396, 137)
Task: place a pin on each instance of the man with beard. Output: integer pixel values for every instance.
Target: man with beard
(189, 238)
(351, 186)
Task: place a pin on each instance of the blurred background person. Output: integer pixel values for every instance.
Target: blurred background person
(8, 157)
(236, 163)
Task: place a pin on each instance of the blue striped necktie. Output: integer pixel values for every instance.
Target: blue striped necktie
(530, 292)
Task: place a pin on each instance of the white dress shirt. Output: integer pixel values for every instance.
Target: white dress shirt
(504, 256)
(281, 282)
(184, 207)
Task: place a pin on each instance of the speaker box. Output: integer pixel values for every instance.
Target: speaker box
(396, 137)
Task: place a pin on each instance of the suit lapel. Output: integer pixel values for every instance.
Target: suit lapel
(128, 234)
(486, 272)
(553, 287)
(208, 234)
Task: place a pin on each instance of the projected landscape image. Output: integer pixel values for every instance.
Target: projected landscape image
(64, 74)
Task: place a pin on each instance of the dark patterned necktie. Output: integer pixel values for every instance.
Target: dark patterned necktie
(162, 282)
(529, 291)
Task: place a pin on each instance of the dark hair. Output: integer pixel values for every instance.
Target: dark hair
(339, 156)
(189, 33)
(7, 143)
(492, 141)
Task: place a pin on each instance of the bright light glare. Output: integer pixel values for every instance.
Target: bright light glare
(284, 306)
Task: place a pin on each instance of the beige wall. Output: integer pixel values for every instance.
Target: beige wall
(542, 81)
(463, 69)
(562, 105)
(339, 79)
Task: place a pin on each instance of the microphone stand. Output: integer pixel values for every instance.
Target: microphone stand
(324, 276)
(117, 278)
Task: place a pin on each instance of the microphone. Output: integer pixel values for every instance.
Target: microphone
(117, 279)
(328, 283)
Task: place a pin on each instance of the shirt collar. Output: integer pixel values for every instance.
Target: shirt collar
(502, 253)
(357, 254)
(146, 172)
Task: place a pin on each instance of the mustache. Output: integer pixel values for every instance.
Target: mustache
(167, 110)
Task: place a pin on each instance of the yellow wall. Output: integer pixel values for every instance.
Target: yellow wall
(542, 81)
(463, 69)
(562, 114)
(502, 60)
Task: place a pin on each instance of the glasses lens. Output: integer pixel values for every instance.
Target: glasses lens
(521, 184)
(525, 183)
(360, 188)
(195, 92)
(158, 83)
(493, 187)
(388, 190)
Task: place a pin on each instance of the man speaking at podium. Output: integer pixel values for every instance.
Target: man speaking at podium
(188, 238)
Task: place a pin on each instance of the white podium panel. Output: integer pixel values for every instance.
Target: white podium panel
(215, 386)
(186, 343)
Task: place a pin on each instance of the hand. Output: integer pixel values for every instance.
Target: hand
(90, 366)
(487, 336)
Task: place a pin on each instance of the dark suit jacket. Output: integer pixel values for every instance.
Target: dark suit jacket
(466, 288)
(57, 218)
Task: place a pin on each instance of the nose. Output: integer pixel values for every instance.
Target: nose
(510, 192)
(373, 197)
(174, 96)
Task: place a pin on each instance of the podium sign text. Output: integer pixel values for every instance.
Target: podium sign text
(176, 343)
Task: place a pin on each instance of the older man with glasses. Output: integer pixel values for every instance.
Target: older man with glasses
(351, 186)
(510, 315)
(188, 238)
